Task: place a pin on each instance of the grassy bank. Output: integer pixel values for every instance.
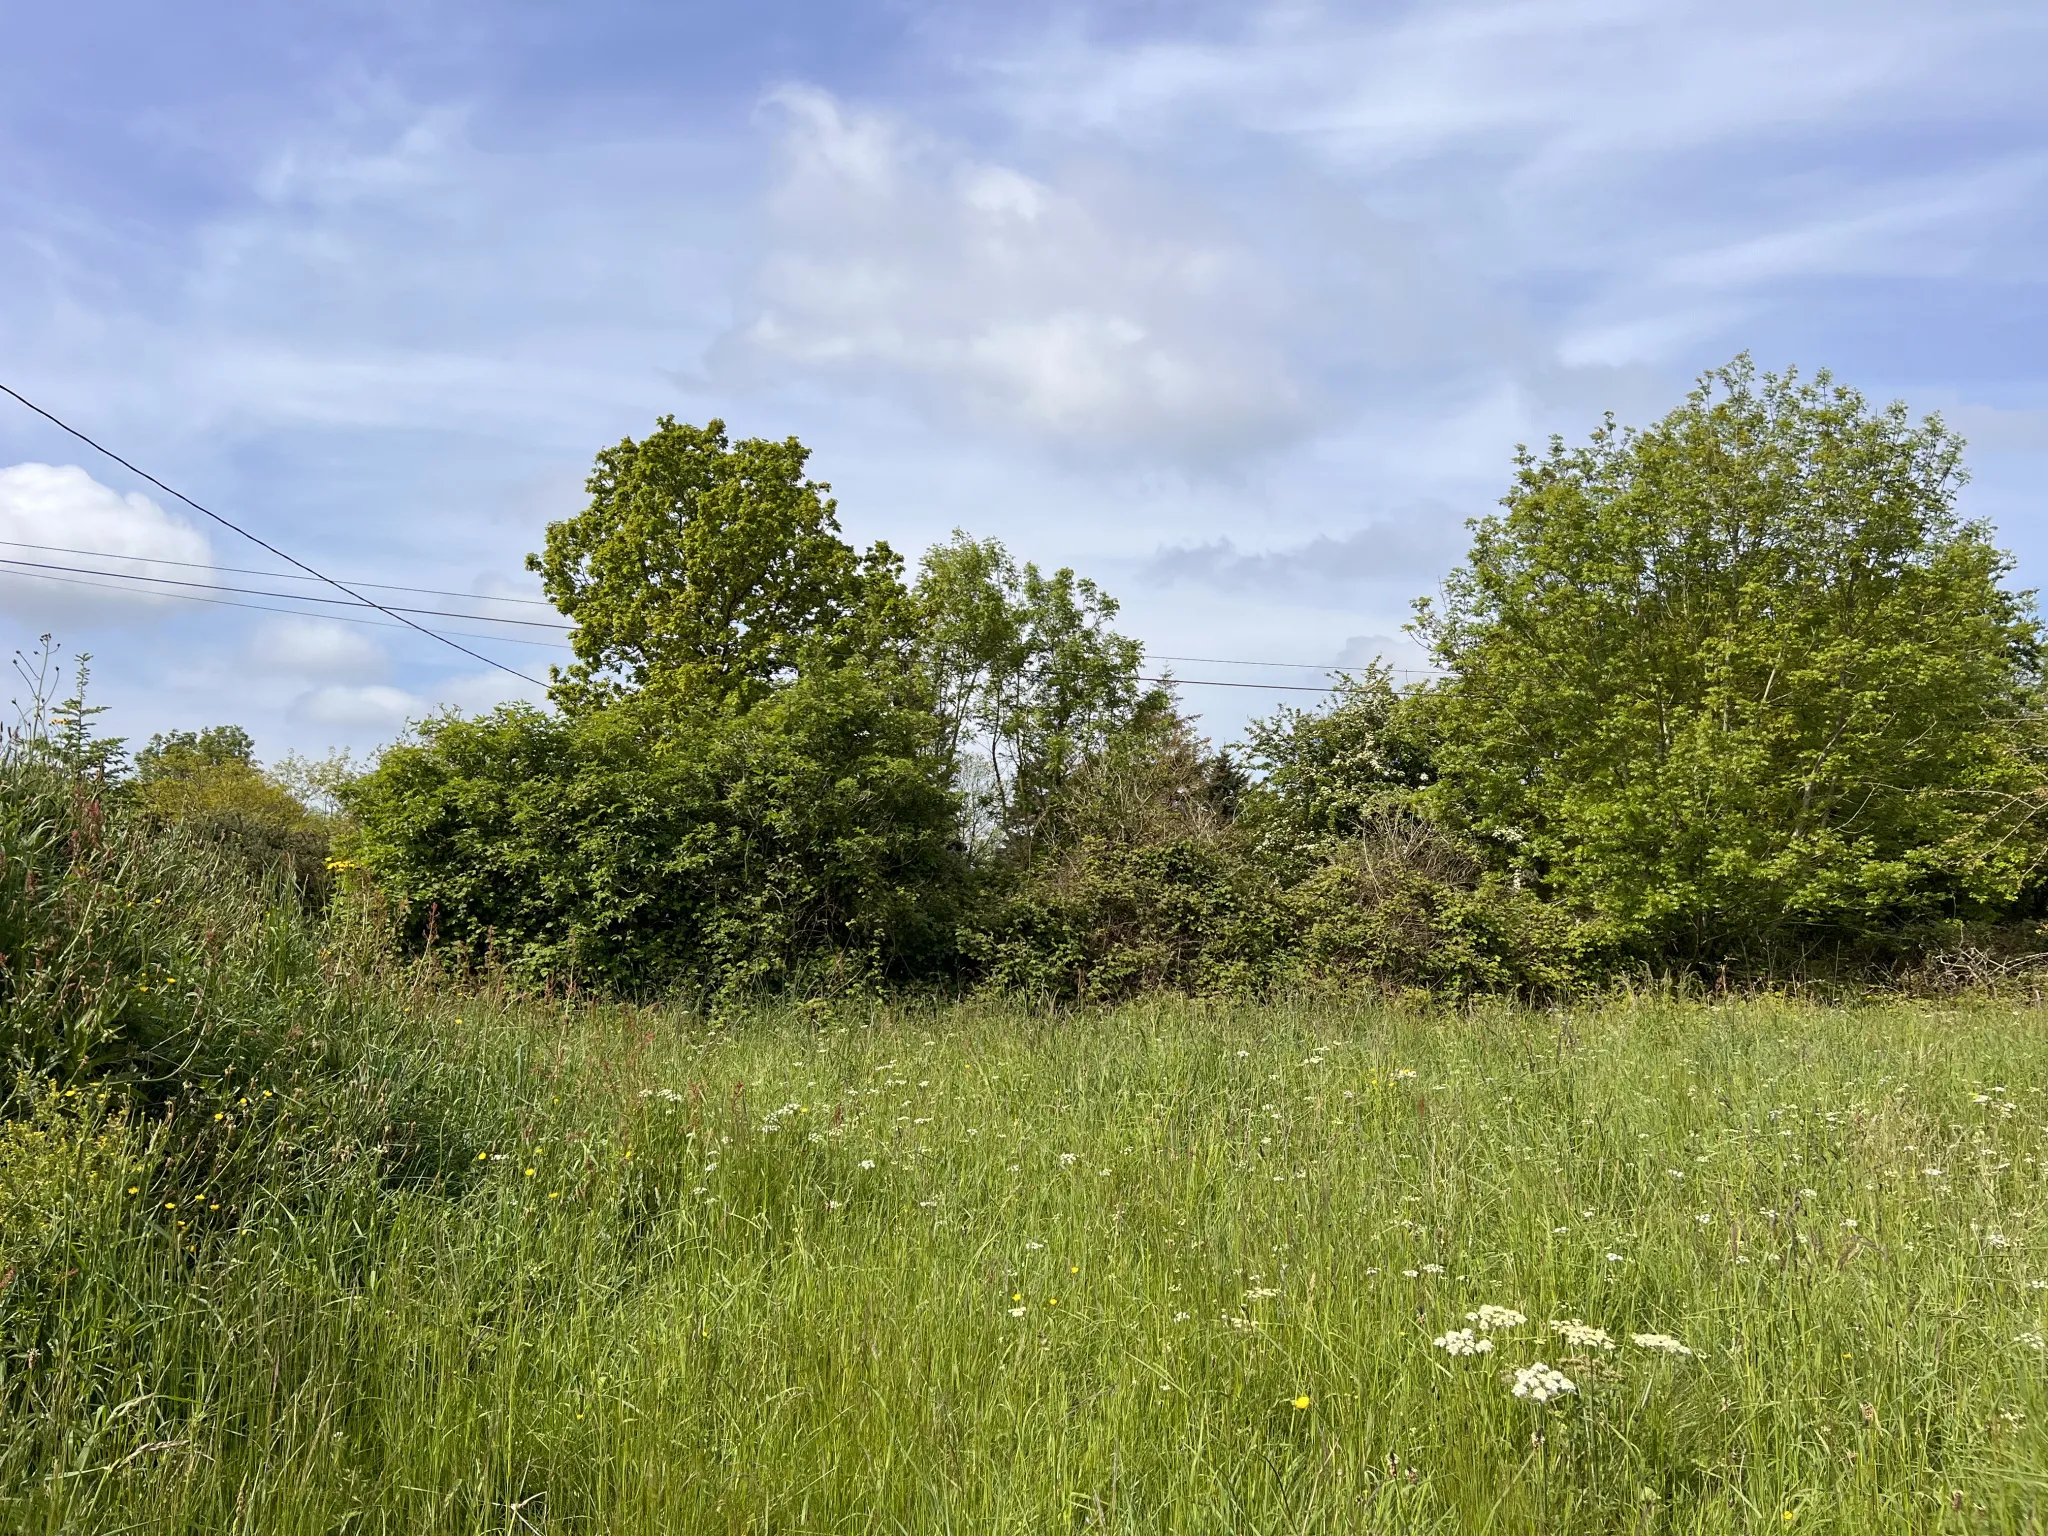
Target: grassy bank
(1169, 1268)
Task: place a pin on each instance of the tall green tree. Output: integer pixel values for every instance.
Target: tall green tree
(708, 570)
(1028, 675)
(1744, 677)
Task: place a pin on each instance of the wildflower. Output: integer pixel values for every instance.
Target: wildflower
(1997, 1240)
(1034, 1247)
(1539, 1383)
(1301, 1402)
(1180, 1317)
(1411, 1274)
(1462, 1341)
(1581, 1335)
(1932, 1173)
(1068, 1159)
(1432, 1269)
(1704, 1219)
(867, 1162)
(2032, 1341)
(1016, 1311)
(1662, 1342)
(1489, 1317)
(1260, 1293)
(1559, 1231)
(1849, 1223)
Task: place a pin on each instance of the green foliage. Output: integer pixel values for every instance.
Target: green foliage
(1325, 771)
(1400, 904)
(710, 571)
(633, 848)
(1028, 677)
(1742, 679)
(62, 1156)
(1138, 882)
(207, 781)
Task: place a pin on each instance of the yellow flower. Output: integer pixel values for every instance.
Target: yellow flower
(1301, 1401)
(529, 1173)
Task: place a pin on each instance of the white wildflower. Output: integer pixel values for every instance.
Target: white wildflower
(1068, 1159)
(867, 1162)
(1463, 1341)
(1617, 1258)
(1260, 1293)
(1490, 1317)
(1016, 1311)
(1581, 1335)
(2032, 1341)
(1539, 1383)
(1432, 1269)
(1662, 1342)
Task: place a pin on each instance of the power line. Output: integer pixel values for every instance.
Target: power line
(297, 597)
(299, 613)
(243, 570)
(264, 544)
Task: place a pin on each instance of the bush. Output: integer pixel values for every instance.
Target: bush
(628, 849)
(208, 782)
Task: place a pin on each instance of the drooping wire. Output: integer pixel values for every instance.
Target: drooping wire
(264, 544)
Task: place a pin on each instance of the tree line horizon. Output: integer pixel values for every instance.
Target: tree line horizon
(1739, 692)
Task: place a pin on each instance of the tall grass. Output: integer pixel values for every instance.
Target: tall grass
(1172, 1267)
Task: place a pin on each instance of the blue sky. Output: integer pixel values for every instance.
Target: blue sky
(1240, 309)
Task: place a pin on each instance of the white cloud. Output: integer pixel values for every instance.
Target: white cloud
(358, 706)
(1086, 310)
(62, 508)
(317, 648)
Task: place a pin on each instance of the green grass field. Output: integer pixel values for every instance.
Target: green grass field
(1173, 1267)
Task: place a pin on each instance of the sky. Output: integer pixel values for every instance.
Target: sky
(1240, 309)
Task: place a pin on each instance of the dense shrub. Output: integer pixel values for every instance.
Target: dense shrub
(632, 848)
(207, 782)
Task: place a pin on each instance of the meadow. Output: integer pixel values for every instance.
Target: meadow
(1170, 1267)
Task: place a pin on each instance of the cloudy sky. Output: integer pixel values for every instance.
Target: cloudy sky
(1240, 309)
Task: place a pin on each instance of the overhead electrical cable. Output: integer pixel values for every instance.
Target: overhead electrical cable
(264, 544)
(297, 597)
(223, 602)
(244, 570)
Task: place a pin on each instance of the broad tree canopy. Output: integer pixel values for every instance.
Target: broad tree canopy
(1743, 677)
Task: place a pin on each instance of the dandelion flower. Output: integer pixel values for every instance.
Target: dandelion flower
(1662, 1342)
(1581, 1335)
(1462, 1341)
(1540, 1383)
(1301, 1402)
(1490, 1317)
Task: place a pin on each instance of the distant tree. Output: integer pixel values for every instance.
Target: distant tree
(208, 782)
(185, 754)
(1742, 677)
(1325, 771)
(1028, 676)
(709, 570)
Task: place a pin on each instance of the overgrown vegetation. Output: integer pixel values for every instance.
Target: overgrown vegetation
(1738, 694)
(336, 1195)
